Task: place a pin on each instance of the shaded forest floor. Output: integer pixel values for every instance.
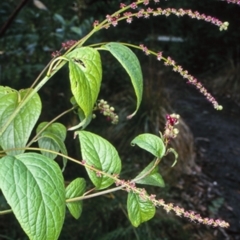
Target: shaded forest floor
(217, 145)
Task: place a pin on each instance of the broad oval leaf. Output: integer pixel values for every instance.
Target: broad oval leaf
(17, 133)
(130, 62)
(33, 186)
(139, 210)
(75, 189)
(150, 177)
(52, 138)
(100, 154)
(85, 72)
(150, 143)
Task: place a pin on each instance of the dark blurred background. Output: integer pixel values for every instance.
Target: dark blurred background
(213, 56)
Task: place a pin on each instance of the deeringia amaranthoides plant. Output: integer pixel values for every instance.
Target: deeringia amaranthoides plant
(32, 182)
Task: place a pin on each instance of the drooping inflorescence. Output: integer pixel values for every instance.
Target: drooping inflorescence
(184, 73)
(181, 212)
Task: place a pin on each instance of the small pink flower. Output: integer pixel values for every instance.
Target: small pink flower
(122, 5)
(159, 56)
(133, 5)
(146, 2)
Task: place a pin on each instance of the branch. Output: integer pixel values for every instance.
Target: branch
(11, 18)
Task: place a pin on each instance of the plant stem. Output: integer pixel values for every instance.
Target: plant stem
(47, 125)
(94, 194)
(5, 211)
(148, 172)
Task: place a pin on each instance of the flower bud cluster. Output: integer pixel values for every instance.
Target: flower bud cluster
(181, 212)
(68, 44)
(65, 46)
(170, 130)
(56, 54)
(107, 111)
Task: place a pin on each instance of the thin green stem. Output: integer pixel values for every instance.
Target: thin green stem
(148, 172)
(94, 194)
(46, 150)
(47, 125)
(40, 75)
(5, 211)
(51, 66)
(138, 47)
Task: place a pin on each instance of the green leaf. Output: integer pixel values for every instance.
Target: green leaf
(130, 62)
(52, 138)
(100, 154)
(152, 177)
(33, 186)
(150, 143)
(139, 210)
(17, 133)
(6, 90)
(60, 19)
(75, 189)
(56, 128)
(85, 72)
